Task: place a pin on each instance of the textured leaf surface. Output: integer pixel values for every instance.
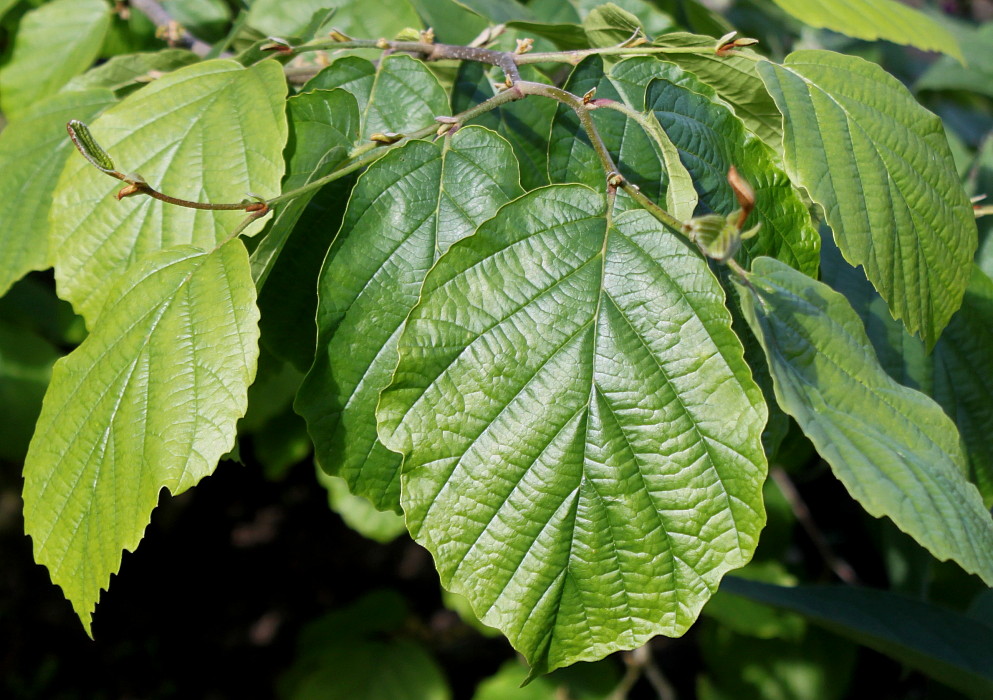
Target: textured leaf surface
(643, 152)
(52, 44)
(875, 19)
(148, 401)
(405, 211)
(880, 166)
(398, 96)
(940, 642)
(189, 135)
(33, 152)
(560, 404)
(892, 447)
(711, 139)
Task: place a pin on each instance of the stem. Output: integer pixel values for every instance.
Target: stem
(161, 18)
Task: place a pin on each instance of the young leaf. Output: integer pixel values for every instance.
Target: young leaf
(711, 139)
(404, 213)
(893, 448)
(52, 44)
(879, 165)
(876, 19)
(190, 135)
(940, 642)
(561, 403)
(33, 152)
(148, 401)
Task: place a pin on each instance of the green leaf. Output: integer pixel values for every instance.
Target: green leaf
(323, 124)
(52, 44)
(942, 643)
(711, 139)
(525, 124)
(609, 25)
(893, 448)
(148, 401)
(189, 135)
(560, 402)
(400, 95)
(876, 19)
(25, 367)
(452, 21)
(879, 165)
(736, 80)
(125, 71)
(565, 36)
(33, 152)
(949, 74)
(642, 150)
(358, 513)
(405, 212)
(508, 684)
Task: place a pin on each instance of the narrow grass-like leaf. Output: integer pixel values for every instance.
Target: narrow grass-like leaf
(148, 401)
(942, 643)
(33, 152)
(880, 166)
(561, 403)
(405, 212)
(190, 135)
(52, 44)
(876, 19)
(892, 447)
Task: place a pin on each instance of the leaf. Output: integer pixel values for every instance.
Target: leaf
(189, 135)
(892, 447)
(876, 19)
(452, 21)
(358, 513)
(950, 74)
(711, 140)
(565, 36)
(736, 80)
(25, 367)
(942, 643)
(879, 165)
(125, 71)
(560, 403)
(323, 124)
(52, 44)
(525, 124)
(405, 212)
(33, 151)
(610, 25)
(642, 151)
(148, 401)
(400, 95)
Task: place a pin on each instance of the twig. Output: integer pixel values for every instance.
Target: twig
(842, 569)
(163, 20)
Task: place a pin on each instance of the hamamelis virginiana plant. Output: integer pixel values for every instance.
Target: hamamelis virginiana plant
(561, 325)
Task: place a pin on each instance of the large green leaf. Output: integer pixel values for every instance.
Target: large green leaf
(33, 152)
(52, 44)
(876, 19)
(711, 139)
(879, 165)
(643, 152)
(892, 447)
(148, 401)
(397, 96)
(404, 213)
(561, 403)
(525, 124)
(190, 135)
(942, 643)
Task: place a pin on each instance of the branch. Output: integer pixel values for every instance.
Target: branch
(167, 25)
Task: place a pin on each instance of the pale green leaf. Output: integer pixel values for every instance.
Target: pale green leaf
(949, 74)
(33, 152)
(148, 401)
(506, 684)
(892, 447)
(397, 96)
(880, 166)
(876, 19)
(644, 153)
(560, 402)
(190, 135)
(406, 210)
(125, 71)
(52, 44)
(711, 139)
(610, 25)
(940, 642)
(358, 513)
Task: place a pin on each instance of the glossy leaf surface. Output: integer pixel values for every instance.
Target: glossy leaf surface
(148, 401)
(560, 403)
(879, 165)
